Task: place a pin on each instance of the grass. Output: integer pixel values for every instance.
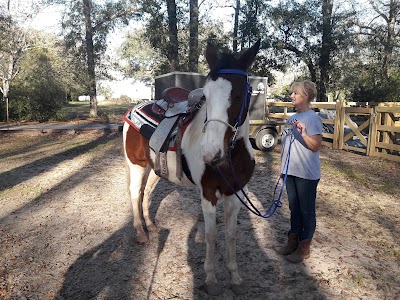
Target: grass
(365, 173)
(340, 169)
(358, 280)
(396, 254)
(107, 111)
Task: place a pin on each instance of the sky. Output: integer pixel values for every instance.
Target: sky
(49, 19)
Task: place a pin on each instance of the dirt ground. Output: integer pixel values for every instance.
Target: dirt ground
(66, 230)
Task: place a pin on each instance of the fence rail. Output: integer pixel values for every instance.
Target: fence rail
(375, 126)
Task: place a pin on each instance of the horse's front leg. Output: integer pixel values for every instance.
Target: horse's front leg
(231, 209)
(209, 212)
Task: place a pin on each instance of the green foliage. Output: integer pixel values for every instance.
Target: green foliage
(137, 58)
(368, 69)
(291, 33)
(106, 16)
(304, 32)
(376, 89)
(249, 22)
(37, 94)
(144, 53)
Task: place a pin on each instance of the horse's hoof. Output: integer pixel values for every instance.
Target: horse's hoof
(239, 289)
(142, 239)
(152, 228)
(213, 289)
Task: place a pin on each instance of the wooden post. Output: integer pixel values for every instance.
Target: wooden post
(375, 135)
(372, 133)
(336, 129)
(341, 125)
(386, 122)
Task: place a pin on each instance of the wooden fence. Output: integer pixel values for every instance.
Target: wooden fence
(375, 126)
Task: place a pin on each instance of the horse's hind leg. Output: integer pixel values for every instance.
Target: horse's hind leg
(150, 184)
(231, 209)
(137, 177)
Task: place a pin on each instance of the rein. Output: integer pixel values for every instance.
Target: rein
(245, 103)
(275, 203)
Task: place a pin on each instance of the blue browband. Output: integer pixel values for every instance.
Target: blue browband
(231, 71)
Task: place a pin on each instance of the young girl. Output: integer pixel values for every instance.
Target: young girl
(303, 172)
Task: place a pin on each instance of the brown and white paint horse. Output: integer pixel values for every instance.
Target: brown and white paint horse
(205, 146)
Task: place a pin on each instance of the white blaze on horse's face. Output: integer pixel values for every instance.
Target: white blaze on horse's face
(217, 95)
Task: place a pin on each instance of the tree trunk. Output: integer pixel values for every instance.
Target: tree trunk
(4, 90)
(312, 70)
(236, 27)
(194, 36)
(390, 38)
(173, 35)
(87, 7)
(327, 6)
(7, 78)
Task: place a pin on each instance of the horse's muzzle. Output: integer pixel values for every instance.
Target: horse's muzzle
(213, 161)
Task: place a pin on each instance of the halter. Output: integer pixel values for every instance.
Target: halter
(245, 104)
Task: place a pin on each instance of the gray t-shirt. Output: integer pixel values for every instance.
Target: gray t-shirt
(303, 162)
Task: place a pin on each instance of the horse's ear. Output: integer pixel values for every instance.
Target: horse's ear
(247, 58)
(211, 55)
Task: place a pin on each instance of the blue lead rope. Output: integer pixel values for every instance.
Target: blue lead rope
(275, 203)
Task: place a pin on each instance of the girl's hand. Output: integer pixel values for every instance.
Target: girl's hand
(301, 127)
(313, 142)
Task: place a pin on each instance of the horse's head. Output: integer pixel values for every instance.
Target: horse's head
(227, 93)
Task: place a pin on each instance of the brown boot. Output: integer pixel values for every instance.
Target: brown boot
(291, 245)
(302, 252)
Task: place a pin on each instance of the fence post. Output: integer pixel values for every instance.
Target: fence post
(371, 133)
(374, 134)
(386, 122)
(342, 117)
(336, 129)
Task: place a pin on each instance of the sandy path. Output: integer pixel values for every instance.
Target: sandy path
(66, 232)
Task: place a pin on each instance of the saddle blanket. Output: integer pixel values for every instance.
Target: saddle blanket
(145, 121)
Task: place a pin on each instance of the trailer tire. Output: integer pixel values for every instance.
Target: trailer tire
(266, 139)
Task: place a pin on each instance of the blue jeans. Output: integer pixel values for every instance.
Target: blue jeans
(302, 195)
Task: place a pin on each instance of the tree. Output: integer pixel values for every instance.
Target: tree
(311, 32)
(162, 21)
(175, 30)
(40, 90)
(194, 36)
(136, 57)
(13, 46)
(236, 27)
(86, 25)
(369, 70)
(173, 47)
(249, 26)
(327, 46)
(384, 27)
